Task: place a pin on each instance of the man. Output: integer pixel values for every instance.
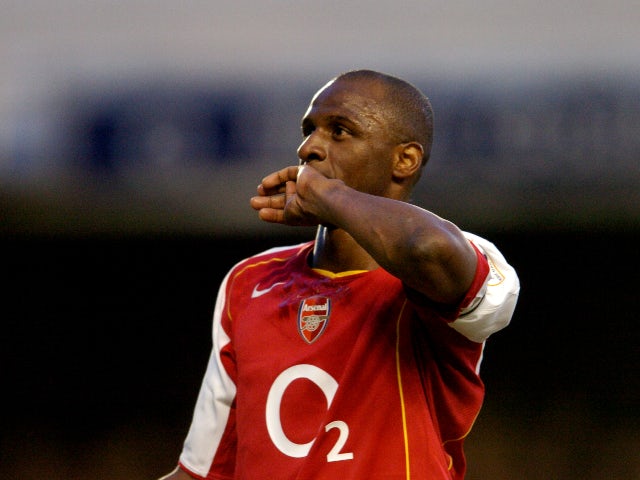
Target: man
(354, 356)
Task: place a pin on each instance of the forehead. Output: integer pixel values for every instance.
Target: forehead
(359, 100)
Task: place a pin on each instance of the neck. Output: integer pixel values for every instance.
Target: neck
(336, 251)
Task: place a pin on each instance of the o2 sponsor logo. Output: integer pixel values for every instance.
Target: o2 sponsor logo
(328, 386)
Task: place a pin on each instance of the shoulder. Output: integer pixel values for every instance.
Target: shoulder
(281, 253)
(284, 251)
(501, 272)
(268, 259)
(496, 301)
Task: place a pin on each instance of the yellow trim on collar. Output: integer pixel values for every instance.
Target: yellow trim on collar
(329, 274)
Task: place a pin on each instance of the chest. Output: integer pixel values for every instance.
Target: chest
(316, 321)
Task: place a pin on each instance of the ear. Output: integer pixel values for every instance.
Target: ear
(407, 160)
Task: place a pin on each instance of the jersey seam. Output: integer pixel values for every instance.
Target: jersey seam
(400, 389)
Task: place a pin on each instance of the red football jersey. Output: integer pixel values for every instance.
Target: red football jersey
(321, 376)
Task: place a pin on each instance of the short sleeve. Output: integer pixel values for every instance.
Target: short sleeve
(495, 303)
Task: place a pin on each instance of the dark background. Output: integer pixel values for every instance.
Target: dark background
(105, 340)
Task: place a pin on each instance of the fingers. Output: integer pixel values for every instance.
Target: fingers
(271, 215)
(270, 209)
(275, 182)
(276, 201)
(273, 192)
(271, 201)
(276, 195)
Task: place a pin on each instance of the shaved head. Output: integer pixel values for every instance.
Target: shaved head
(406, 109)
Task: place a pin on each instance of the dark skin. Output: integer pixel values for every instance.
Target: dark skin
(354, 181)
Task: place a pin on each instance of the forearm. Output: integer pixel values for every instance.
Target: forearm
(426, 252)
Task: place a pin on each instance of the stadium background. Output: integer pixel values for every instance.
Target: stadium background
(132, 136)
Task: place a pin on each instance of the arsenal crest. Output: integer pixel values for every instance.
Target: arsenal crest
(313, 316)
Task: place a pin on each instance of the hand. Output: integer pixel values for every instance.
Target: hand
(278, 200)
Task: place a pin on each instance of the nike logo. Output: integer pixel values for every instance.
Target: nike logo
(257, 292)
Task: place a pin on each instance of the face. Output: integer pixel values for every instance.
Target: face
(346, 136)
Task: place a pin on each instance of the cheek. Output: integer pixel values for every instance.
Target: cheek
(369, 179)
(366, 169)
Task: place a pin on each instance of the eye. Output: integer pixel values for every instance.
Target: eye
(307, 129)
(339, 131)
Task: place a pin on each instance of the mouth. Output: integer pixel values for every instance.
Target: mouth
(317, 165)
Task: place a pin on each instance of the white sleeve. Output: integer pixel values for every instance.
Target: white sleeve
(498, 299)
(211, 412)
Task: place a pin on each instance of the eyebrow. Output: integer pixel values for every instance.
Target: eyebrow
(340, 118)
(332, 119)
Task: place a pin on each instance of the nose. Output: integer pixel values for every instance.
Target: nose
(311, 149)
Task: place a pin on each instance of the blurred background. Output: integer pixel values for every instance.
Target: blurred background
(132, 135)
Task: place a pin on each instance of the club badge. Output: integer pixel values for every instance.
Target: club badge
(313, 316)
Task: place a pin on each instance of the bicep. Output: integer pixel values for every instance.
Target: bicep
(445, 266)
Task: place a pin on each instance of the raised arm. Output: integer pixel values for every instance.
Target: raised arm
(429, 254)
